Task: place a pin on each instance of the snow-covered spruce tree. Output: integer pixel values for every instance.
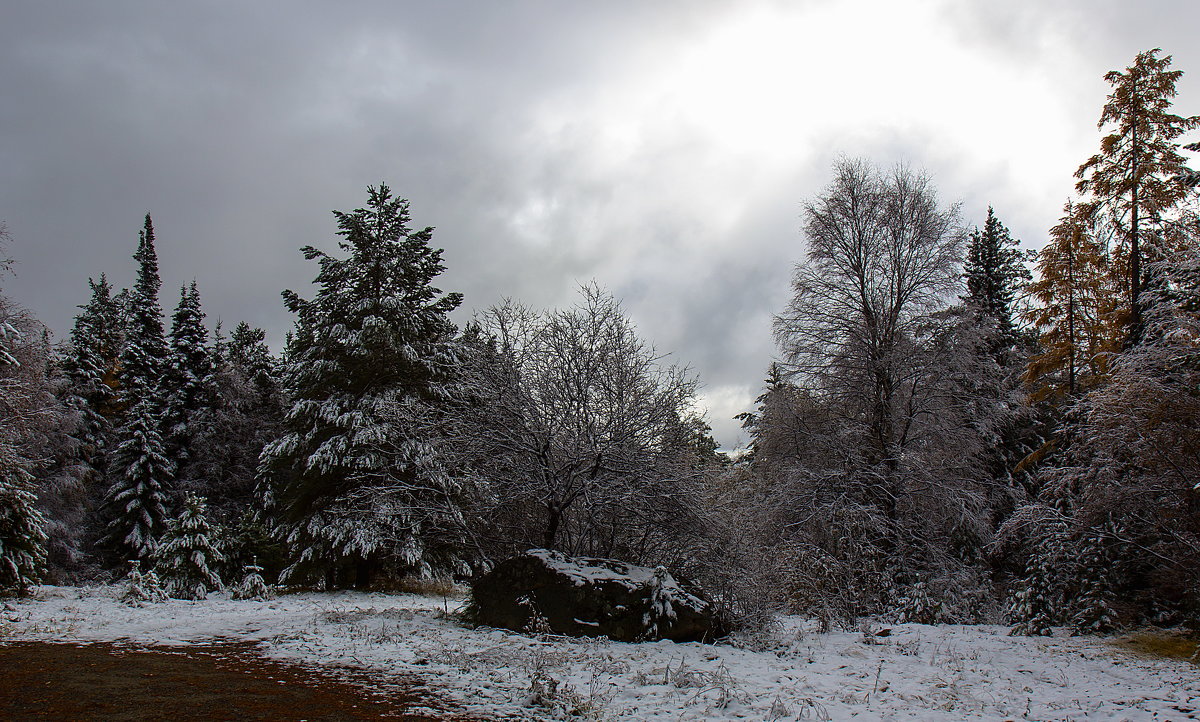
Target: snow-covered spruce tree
(72, 484)
(141, 473)
(187, 554)
(1036, 603)
(144, 356)
(917, 606)
(22, 532)
(995, 273)
(90, 365)
(188, 377)
(92, 357)
(1093, 604)
(350, 487)
(142, 587)
(252, 585)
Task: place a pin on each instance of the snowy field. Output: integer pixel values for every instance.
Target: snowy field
(916, 673)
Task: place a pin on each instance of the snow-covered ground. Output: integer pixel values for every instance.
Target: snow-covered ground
(916, 673)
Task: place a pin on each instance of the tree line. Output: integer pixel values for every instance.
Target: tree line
(954, 429)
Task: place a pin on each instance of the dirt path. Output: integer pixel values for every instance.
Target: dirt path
(219, 682)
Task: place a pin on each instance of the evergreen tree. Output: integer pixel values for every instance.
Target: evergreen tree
(253, 586)
(143, 359)
(1137, 177)
(755, 422)
(247, 407)
(1037, 601)
(994, 273)
(22, 531)
(89, 392)
(188, 378)
(93, 355)
(139, 470)
(352, 487)
(248, 356)
(187, 553)
(142, 587)
(141, 473)
(1093, 604)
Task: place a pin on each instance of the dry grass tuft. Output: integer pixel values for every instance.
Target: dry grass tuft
(428, 587)
(1163, 643)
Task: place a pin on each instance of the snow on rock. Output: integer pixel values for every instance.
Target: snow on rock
(542, 590)
(919, 672)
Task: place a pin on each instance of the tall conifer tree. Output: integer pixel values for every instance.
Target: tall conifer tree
(994, 273)
(139, 471)
(141, 475)
(90, 366)
(353, 487)
(1078, 316)
(188, 377)
(92, 361)
(144, 357)
(1137, 177)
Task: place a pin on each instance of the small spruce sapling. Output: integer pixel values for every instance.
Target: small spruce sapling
(1094, 613)
(916, 606)
(1035, 605)
(661, 615)
(253, 586)
(187, 553)
(142, 587)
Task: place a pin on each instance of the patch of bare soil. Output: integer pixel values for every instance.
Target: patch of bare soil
(219, 682)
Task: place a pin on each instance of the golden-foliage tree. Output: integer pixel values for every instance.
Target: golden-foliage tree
(1138, 177)
(1079, 313)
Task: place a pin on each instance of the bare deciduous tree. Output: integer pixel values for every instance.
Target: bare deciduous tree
(575, 432)
(883, 258)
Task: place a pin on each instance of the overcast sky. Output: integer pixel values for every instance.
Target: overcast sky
(662, 149)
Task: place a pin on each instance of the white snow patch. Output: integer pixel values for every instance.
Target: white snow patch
(917, 673)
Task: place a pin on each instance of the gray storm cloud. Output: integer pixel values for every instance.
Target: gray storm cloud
(661, 149)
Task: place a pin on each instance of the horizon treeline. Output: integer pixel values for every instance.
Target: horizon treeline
(955, 430)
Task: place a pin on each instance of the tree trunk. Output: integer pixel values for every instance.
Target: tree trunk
(553, 520)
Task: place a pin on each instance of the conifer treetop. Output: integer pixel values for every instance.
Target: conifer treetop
(148, 282)
(145, 353)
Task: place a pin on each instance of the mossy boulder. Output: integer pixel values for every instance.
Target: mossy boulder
(543, 590)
